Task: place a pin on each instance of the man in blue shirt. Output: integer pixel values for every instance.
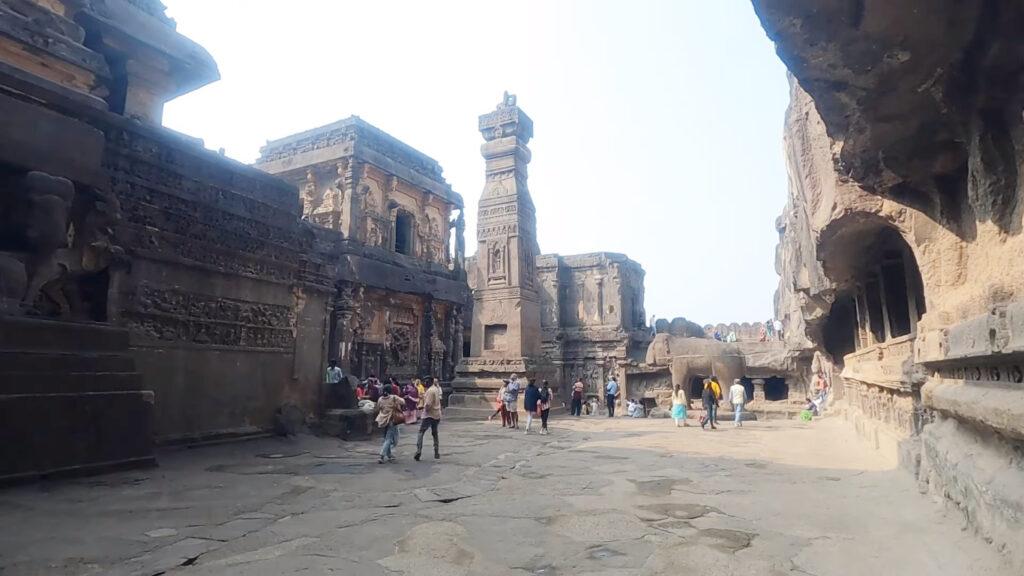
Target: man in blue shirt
(611, 390)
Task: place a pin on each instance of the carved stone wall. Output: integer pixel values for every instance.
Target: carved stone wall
(592, 315)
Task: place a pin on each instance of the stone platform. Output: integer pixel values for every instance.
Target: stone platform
(71, 400)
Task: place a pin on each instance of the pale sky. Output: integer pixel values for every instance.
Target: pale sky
(657, 123)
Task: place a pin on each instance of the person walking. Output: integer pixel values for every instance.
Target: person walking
(546, 395)
(769, 326)
(531, 401)
(389, 415)
(679, 405)
(778, 328)
(431, 417)
(738, 397)
(717, 389)
(710, 405)
(577, 398)
(611, 390)
(499, 407)
(512, 401)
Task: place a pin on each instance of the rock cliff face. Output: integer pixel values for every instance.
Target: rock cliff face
(900, 244)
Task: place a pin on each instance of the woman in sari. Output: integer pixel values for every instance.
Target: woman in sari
(412, 403)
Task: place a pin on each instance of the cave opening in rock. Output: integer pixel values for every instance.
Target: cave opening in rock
(775, 388)
(880, 294)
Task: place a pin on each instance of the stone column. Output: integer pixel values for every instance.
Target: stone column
(758, 389)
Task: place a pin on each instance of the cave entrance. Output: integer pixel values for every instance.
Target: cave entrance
(696, 388)
(775, 389)
(880, 293)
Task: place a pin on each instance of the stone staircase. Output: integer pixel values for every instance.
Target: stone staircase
(71, 400)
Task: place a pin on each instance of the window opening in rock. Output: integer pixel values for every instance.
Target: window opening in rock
(403, 232)
(775, 389)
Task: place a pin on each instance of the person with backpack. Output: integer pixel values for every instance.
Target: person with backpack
(710, 400)
(389, 416)
(546, 395)
(717, 389)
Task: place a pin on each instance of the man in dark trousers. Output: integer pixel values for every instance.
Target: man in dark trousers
(431, 416)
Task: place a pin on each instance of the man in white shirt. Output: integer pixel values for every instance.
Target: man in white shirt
(738, 397)
(333, 378)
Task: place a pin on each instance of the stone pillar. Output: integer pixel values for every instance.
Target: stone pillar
(758, 389)
(506, 335)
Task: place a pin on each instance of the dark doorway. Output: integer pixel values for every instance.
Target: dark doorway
(775, 389)
(840, 331)
(748, 386)
(403, 232)
(696, 388)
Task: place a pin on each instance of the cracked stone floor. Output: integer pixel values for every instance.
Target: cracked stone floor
(598, 497)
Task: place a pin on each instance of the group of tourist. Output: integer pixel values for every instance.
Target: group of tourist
(711, 396)
(395, 405)
(536, 402)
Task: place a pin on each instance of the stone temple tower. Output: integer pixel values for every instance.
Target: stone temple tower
(506, 332)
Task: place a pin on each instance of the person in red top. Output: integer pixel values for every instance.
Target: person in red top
(577, 398)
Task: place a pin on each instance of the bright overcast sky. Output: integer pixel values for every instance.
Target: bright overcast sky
(657, 123)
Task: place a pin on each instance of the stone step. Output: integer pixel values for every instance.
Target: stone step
(347, 423)
(18, 333)
(59, 434)
(69, 382)
(17, 361)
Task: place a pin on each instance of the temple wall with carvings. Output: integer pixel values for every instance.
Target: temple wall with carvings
(212, 298)
(190, 270)
(382, 215)
(592, 315)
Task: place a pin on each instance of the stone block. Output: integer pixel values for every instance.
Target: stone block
(970, 338)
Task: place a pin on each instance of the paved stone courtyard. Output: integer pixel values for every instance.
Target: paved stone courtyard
(597, 497)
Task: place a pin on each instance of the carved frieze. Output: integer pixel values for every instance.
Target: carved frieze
(173, 315)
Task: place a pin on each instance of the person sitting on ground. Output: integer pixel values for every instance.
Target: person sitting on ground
(634, 409)
(361, 392)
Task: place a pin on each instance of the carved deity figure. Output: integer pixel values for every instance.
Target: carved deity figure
(308, 193)
(497, 260)
(460, 242)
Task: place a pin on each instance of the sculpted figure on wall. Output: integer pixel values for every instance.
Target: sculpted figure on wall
(53, 244)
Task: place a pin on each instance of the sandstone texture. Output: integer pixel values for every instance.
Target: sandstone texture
(904, 144)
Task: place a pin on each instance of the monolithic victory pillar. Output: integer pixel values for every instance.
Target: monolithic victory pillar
(506, 333)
